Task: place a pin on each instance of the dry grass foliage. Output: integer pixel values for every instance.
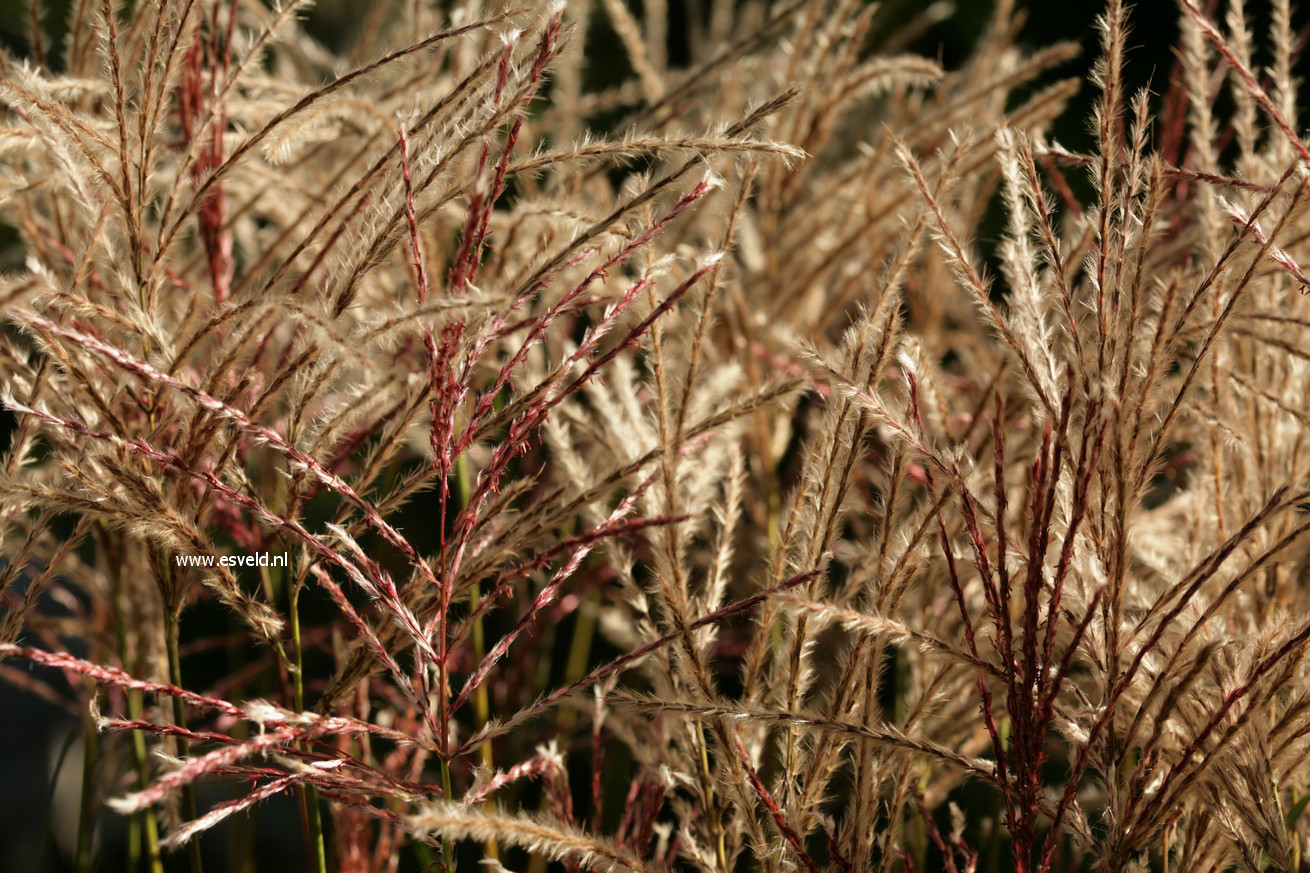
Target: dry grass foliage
(688, 496)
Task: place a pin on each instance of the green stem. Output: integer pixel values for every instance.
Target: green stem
(86, 820)
(183, 747)
(463, 491)
(584, 634)
(133, 841)
(711, 803)
(308, 793)
(147, 823)
(150, 826)
(482, 705)
(241, 845)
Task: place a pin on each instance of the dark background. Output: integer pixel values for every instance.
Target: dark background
(1154, 33)
(40, 745)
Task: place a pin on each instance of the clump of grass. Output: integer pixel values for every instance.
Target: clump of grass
(674, 492)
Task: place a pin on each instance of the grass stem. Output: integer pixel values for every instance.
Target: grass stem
(189, 809)
(308, 794)
(145, 828)
(86, 819)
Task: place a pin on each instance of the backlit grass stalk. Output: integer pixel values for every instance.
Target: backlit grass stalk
(189, 808)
